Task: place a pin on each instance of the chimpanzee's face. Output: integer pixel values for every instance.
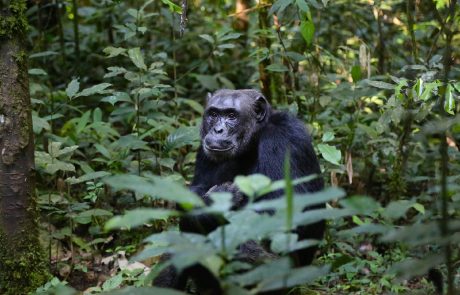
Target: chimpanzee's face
(230, 121)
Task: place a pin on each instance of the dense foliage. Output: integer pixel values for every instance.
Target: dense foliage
(117, 90)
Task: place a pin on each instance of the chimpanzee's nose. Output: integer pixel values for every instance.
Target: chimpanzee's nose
(218, 129)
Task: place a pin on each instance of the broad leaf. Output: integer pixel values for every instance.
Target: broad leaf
(330, 153)
(86, 177)
(156, 187)
(277, 68)
(138, 217)
(72, 88)
(96, 89)
(137, 58)
(307, 29)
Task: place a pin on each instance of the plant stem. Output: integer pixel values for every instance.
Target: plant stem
(443, 150)
(381, 45)
(410, 26)
(76, 34)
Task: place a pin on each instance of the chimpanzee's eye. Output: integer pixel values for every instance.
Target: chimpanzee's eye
(213, 114)
(232, 116)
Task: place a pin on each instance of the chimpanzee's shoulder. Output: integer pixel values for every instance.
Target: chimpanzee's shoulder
(288, 124)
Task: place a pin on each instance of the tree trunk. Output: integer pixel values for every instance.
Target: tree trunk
(22, 264)
(264, 42)
(241, 22)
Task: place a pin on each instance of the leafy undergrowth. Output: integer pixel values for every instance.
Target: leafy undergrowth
(117, 97)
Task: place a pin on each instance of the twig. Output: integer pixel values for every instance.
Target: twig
(443, 150)
(249, 9)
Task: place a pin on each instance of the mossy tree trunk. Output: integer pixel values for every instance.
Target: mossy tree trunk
(22, 263)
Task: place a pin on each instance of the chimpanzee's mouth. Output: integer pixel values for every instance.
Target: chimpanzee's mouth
(217, 150)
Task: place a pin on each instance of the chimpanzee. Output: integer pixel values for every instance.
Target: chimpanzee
(242, 135)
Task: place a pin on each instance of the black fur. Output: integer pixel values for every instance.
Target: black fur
(265, 145)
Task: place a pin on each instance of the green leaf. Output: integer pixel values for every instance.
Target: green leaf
(208, 81)
(428, 91)
(85, 217)
(96, 89)
(419, 207)
(416, 234)
(114, 71)
(113, 282)
(279, 6)
(278, 274)
(328, 136)
(117, 97)
(356, 73)
(370, 228)
(72, 88)
(411, 267)
(381, 85)
(39, 124)
(103, 150)
(360, 204)
(51, 165)
(146, 291)
(449, 101)
(300, 200)
(86, 177)
(277, 68)
(138, 217)
(288, 193)
(55, 150)
(172, 6)
(330, 153)
(307, 29)
(252, 184)
(208, 38)
(82, 122)
(313, 216)
(226, 46)
(302, 5)
(397, 209)
(293, 277)
(114, 51)
(156, 187)
(181, 137)
(137, 58)
(230, 36)
(43, 54)
(37, 72)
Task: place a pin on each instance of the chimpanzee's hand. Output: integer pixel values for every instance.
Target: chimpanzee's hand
(239, 200)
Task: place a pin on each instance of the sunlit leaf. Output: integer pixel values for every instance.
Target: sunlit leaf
(37, 72)
(72, 88)
(330, 153)
(86, 177)
(145, 291)
(138, 217)
(137, 58)
(156, 187)
(449, 100)
(277, 68)
(307, 29)
(96, 89)
(114, 51)
(381, 85)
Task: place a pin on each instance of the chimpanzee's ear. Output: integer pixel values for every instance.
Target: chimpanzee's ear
(261, 107)
(208, 97)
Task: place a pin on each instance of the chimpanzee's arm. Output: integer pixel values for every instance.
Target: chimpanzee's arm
(203, 181)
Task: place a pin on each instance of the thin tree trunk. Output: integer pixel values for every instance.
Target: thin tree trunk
(381, 45)
(242, 18)
(22, 263)
(76, 34)
(264, 42)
